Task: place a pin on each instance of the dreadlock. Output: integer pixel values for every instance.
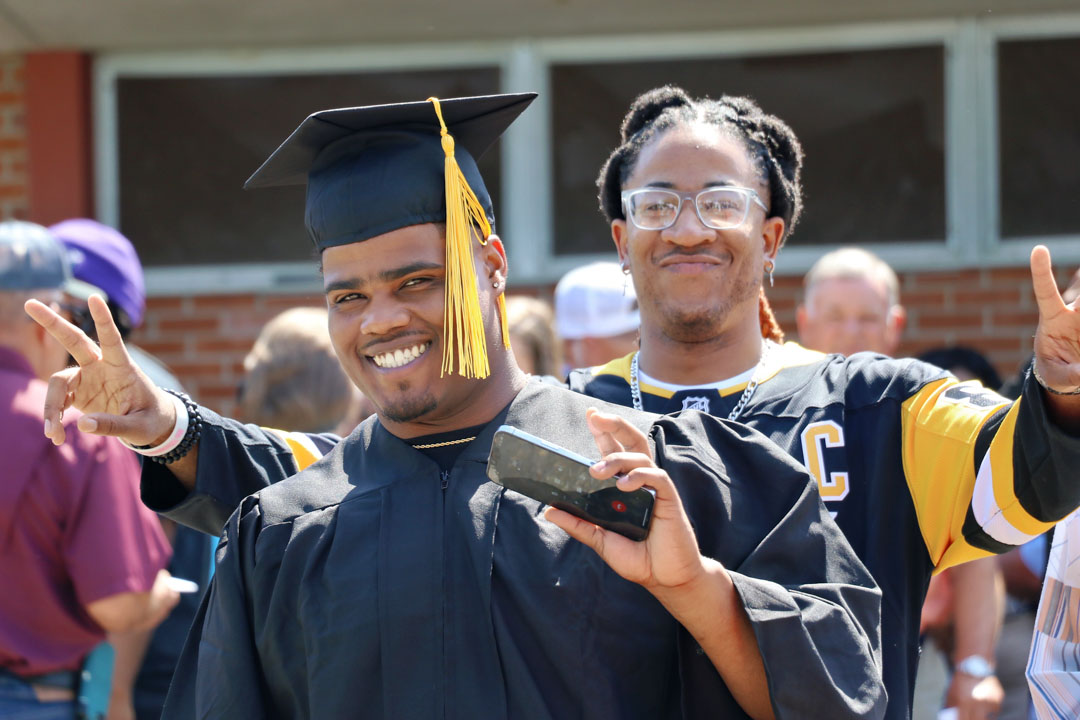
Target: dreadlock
(772, 146)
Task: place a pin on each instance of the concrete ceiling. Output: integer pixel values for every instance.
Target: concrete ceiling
(105, 25)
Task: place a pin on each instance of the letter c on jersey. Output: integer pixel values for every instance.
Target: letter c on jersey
(815, 438)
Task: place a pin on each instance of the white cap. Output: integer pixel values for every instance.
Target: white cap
(595, 300)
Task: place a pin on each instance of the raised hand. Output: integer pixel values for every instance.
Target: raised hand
(1057, 340)
(116, 397)
(669, 557)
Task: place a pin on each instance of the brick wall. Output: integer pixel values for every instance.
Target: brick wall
(14, 182)
(204, 338)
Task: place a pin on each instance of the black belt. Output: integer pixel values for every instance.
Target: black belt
(63, 679)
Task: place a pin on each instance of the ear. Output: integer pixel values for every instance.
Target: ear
(801, 318)
(620, 234)
(493, 257)
(896, 322)
(772, 233)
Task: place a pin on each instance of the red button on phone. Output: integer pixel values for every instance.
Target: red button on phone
(618, 505)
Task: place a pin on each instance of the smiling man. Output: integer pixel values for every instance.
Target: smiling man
(392, 578)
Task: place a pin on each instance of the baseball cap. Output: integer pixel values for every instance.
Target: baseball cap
(595, 300)
(101, 256)
(32, 259)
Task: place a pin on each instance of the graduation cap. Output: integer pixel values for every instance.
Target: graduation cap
(370, 170)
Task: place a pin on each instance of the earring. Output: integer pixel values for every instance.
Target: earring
(626, 268)
(495, 285)
(770, 266)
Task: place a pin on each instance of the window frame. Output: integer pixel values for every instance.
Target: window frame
(1064, 249)
(972, 237)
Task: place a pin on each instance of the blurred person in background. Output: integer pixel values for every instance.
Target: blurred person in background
(79, 554)
(105, 259)
(294, 380)
(532, 336)
(1044, 579)
(596, 314)
(852, 304)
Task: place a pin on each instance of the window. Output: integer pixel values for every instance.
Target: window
(1038, 142)
(187, 144)
(871, 123)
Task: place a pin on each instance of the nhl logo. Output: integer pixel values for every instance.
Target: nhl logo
(696, 403)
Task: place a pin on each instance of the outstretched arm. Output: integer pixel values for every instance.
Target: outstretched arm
(199, 490)
(116, 397)
(1057, 345)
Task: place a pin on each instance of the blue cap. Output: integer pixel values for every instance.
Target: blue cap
(32, 259)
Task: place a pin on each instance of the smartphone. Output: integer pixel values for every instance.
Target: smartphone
(554, 475)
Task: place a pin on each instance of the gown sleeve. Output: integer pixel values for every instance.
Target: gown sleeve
(235, 460)
(814, 608)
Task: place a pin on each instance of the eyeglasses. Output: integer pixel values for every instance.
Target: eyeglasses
(718, 208)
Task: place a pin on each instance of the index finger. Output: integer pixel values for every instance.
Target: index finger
(74, 340)
(1042, 280)
(112, 345)
(621, 432)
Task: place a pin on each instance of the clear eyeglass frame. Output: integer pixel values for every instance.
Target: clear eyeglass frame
(748, 193)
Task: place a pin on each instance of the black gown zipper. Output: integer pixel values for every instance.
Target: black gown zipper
(445, 476)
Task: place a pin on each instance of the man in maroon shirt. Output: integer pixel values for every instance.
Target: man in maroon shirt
(80, 556)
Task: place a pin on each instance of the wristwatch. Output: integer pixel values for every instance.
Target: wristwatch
(975, 666)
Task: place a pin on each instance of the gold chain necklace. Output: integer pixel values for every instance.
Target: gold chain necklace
(459, 441)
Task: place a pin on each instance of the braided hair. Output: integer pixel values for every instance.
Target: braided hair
(773, 148)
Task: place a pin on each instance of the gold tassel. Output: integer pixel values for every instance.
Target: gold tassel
(505, 324)
(463, 323)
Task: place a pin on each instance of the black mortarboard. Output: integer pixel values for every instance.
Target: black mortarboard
(378, 168)
(371, 170)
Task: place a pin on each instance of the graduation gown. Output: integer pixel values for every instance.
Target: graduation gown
(373, 585)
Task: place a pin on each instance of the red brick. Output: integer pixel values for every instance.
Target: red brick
(934, 279)
(1005, 294)
(279, 303)
(217, 302)
(1020, 275)
(157, 304)
(188, 324)
(948, 320)
(240, 345)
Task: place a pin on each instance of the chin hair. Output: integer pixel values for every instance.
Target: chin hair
(409, 409)
(686, 324)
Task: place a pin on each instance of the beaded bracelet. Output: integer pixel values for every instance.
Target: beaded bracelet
(184, 435)
(1047, 388)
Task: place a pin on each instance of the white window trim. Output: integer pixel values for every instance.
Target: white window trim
(972, 236)
(1064, 249)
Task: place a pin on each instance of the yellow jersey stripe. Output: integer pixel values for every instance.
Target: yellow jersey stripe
(303, 450)
(941, 423)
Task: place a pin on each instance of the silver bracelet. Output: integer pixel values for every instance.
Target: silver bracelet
(1047, 388)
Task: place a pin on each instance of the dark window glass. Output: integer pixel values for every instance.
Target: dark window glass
(1039, 144)
(871, 123)
(188, 144)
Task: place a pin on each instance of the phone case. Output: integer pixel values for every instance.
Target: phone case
(558, 477)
